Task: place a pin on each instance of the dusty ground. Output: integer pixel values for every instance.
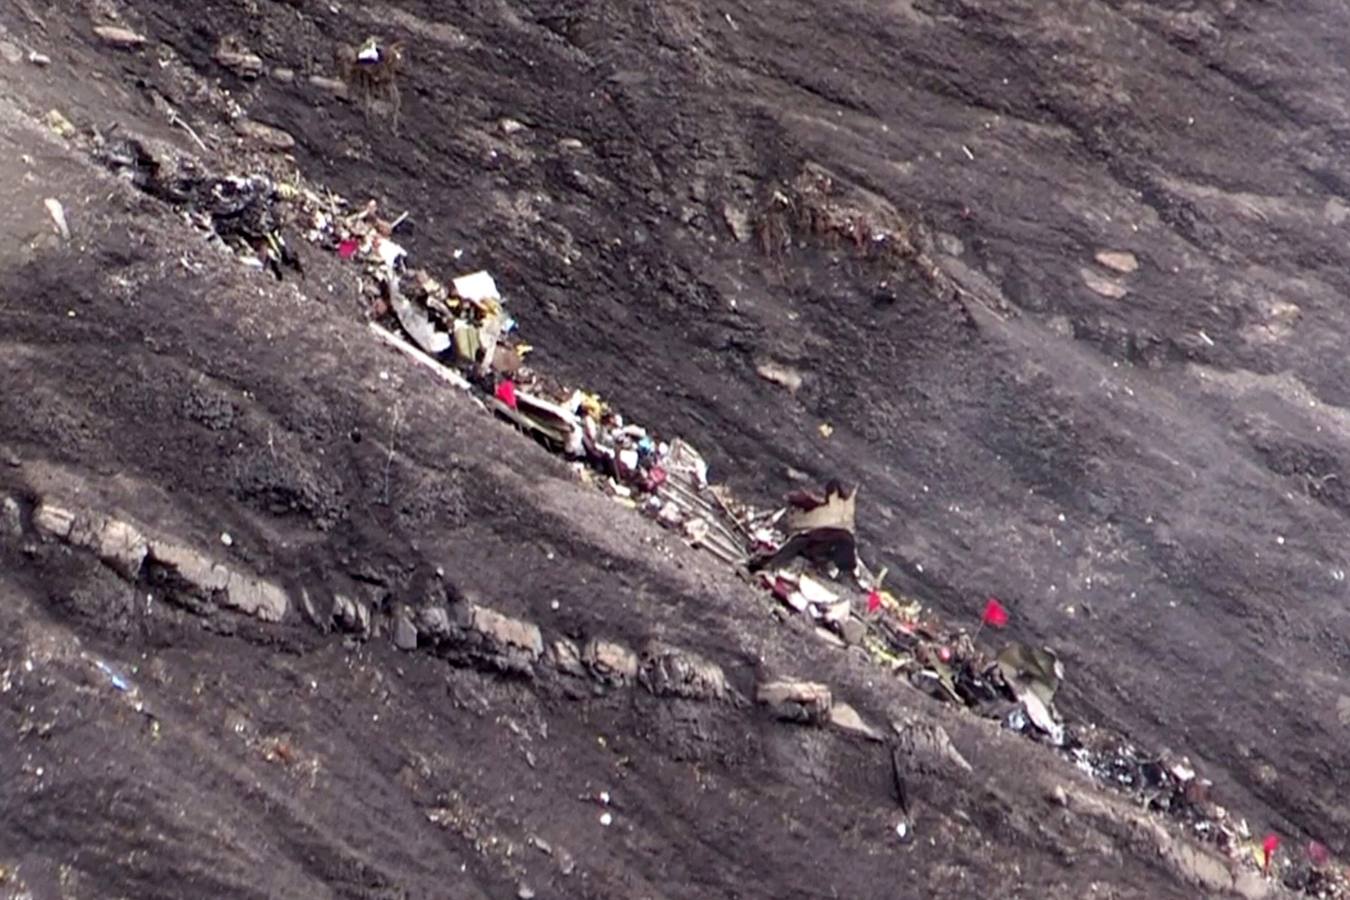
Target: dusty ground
(1146, 464)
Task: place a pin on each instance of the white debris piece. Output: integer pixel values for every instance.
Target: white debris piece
(476, 287)
(58, 215)
(389, 252)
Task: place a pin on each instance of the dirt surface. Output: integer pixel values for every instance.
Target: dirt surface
(1117, 402)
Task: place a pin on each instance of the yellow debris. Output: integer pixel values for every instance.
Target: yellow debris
(60, 124)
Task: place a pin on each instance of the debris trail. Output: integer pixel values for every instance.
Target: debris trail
(467, 337)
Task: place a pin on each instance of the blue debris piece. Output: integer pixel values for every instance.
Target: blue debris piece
(114, 678)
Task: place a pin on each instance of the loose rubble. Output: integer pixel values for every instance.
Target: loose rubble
(128, 550)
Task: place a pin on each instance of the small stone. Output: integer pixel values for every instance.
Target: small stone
(571, 144)
(351, 615)
(852, 631)
(434, 620)
(1120, 261)
(284, 75)
(59, 124)
(508, 633)
(120, 545)
(610, 662)
(510, 126)
(1058, 795)
(524, 892)
(738, 222)
(53, 521)
(264, 136)
(311, 612)
(670, 672)
(780, 374)
(331, 85)
(925, 746)
(606, 818)
(121, 38)
(564, 656)
(257, 598)
(829, 637)
(39, 59)
(226, 539)
(846, 718)
(405, 633)
(1103, 285)
(193, 567)
(11, 517)
(238, 59)
(797, 701)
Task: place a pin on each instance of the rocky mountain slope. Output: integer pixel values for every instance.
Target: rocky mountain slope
(1102, 379)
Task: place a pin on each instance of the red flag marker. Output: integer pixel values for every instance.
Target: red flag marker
(506, 392)
(1268, 848)
(995, 614)
(873, 601)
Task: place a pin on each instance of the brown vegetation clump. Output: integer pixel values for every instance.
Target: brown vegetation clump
(817, 204)
(371, 73)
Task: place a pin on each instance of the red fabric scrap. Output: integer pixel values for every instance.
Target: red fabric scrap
(873, 601)
(506, 392)
(347, 249)
(656, 476)
(995, 614)
(1268, 848)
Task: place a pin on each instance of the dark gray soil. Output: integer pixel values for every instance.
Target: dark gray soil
(1145, 465)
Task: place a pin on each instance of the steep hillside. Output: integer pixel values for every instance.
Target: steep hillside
(1074, 323)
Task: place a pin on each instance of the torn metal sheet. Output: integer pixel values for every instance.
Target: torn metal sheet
(415, 321)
